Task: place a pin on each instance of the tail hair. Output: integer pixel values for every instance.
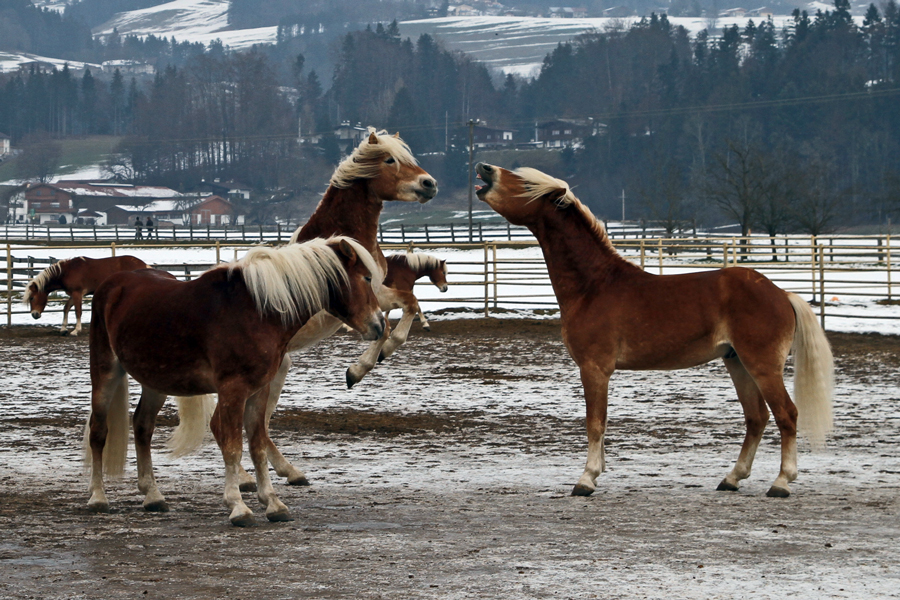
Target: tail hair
(194, 414)
(813, 375)
(116, 447)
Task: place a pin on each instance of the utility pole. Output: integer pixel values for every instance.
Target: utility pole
(471, 125)
(623, 207)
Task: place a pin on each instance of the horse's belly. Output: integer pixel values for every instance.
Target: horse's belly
(670, 359)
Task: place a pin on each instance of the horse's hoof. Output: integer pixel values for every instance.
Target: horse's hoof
(582, 490)
(157, 506)
(249, 486)
(725, 486)
(426, 327)
(246, 520)
(302, 480)
(64, 332)
(352, 379)
(280, 517)
(98, 507)
(778, 492)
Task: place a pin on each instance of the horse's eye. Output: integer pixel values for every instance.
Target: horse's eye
(390, 160)
(368, 280)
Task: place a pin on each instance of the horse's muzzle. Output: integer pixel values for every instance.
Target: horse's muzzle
(443, 288)
(376, 329)
(35, 314)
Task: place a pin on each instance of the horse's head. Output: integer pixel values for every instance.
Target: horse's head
(35, 299)
(389, 170)
(438, 275)
(357, 306)
(521, 196)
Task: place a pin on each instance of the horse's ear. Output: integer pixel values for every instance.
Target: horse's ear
(348, 251)
(397, 135)
(373, 139)
(558, 197)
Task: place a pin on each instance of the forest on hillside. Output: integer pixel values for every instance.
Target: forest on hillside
(778, 130)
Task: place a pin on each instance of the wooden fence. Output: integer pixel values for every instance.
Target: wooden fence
(837, 273)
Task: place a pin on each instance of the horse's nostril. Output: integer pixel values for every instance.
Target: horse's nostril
(487, 168)
(429, 183)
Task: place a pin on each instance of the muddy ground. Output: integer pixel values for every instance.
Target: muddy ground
(446, 474)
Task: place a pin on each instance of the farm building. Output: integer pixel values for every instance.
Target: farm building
(64, 201)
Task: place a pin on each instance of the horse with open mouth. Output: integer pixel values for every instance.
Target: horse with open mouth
(223, 333)
(617, 316)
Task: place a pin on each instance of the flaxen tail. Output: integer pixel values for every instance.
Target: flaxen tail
(194, 413)
(813, 375)
(116, 448)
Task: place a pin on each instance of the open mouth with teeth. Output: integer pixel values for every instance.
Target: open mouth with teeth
(485, 173)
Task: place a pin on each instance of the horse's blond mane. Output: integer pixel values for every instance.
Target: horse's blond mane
(41, 280)
(422, 262)
(538, 184)
(365, 163)
(294, 280)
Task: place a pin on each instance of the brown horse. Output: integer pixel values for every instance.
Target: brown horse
(616, 316)
(381, 168)
(403, 270)
(76, 277)
(225, 332)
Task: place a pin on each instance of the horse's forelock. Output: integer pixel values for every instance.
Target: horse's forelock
(364, 162)
(40, 281)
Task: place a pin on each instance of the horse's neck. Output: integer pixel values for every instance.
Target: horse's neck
(580, 258)
(348, 211)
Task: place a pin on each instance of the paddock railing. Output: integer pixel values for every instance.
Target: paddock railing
(843, 276)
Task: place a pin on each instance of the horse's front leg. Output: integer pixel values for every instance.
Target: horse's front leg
(281, 465)
(144, 424)
(256, 424)
(367, 361)
(423, 320)
(64, 328)
(407, 301)
(226, 425)
(596, 396)
(76, 299)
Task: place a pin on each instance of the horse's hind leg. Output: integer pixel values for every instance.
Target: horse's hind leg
(756, 415)
(281, 465)
(255, 422)
(785, 413)
(105, 400)
(144, 425)
(401, 332)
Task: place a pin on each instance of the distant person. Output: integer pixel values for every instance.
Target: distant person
(138, 229)
(149, 229)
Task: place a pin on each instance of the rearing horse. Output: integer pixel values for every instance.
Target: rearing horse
(225, 332)
(403, 270)
(617, 316)
(76, 277)
(380, 169)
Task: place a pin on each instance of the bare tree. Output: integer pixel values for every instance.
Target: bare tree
(40, 158)
(818, 200)
(736, 183)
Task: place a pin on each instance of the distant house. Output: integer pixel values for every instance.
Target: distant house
(232, 190)
(211, 210)
(350, 135)
(127, 67)
(733, 12)
(484, 136)
(5, 147)
(64, 201)
(561, 12)
(565, 133)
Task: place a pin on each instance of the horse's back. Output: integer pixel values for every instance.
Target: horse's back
(89, 273)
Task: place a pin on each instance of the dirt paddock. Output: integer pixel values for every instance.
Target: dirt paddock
(446, 474)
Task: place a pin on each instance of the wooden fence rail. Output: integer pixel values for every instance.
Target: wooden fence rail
(503, 274)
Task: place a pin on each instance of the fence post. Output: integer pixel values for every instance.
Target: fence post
(822, 286)
(9, 285)
(508, 231)
(724, 254)
(659, 246)
(452, 233)
(112, 248)
(889, 266)
(72, 232)
(427, 237)
(279, 231)
(117, 232)
(642, 255)
(402, 233)
(218, 252)
(813, 256)
(486, 282)
(494, 248)
(95, 233)
(480, 233)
